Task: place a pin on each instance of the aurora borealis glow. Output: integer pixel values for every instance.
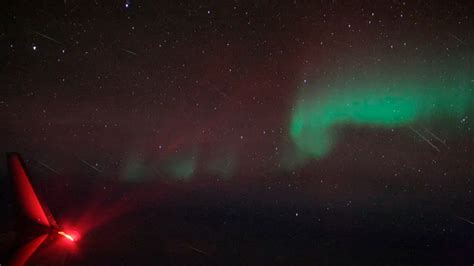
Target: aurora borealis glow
(180, 168)
(316, 117)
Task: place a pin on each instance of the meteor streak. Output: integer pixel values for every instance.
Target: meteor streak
(466, 220)
(437, 138)
(425, 139)
(130, 52)
(457, 38)
(197, 250)
(48, 167)
(91, 166)
(47, 37)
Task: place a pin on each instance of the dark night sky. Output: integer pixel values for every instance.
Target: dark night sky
(178, 114)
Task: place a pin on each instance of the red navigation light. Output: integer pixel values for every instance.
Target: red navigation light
(72, 236)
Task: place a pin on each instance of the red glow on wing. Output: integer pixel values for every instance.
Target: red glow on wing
(27, 196)
(24, 254)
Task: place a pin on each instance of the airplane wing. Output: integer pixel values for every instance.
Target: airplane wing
(29, 202)
(24, 253)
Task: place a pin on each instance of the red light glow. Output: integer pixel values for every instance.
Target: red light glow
(25, 252)
(69, 236)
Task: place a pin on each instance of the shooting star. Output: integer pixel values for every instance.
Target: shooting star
(425, 139)
(437, 138)
(90, 165)
(457, 38)
(130, 52)
(48, 167)
(465, 219)
(47, 37)
(197, 250)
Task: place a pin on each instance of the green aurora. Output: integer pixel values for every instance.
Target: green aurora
(181, 168)
(223, 166)
(315, 118)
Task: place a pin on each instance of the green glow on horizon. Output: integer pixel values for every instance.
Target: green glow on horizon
(135, 169)
(223, 166)
(181, 167)
(391, 104)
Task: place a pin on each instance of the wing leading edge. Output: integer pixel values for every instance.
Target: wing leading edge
(27, 197)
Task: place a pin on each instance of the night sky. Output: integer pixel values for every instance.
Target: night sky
(245, 132)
